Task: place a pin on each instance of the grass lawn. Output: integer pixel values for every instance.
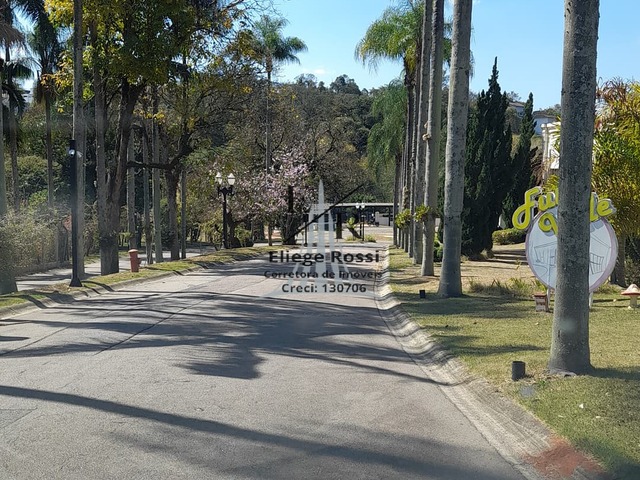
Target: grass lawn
(157, 269)
(487, 330)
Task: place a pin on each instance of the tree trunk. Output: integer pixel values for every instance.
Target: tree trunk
(172, 178)
(13, 148)
(148, 238)
(570, 329)
(422, 82)
(131, 196)
(107, 237)
(3, 175)
(410, 165)
(267, 147)
(79, 133)
(116, 178)
(618, 277)
(49, 148)
(396, 199)
(155, 176)
(434, 123)
(450, 278)
(183, 208)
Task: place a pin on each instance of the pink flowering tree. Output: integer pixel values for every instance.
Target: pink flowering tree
(263, 197)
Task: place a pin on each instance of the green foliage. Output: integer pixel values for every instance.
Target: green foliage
(488, 168)
(523, 172)
(423, 213)
(243, 236)
(514, 287)
(27, 242)
(437, 250)
(403, 219)
(508, 236)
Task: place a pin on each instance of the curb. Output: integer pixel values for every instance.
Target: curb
(519, 437)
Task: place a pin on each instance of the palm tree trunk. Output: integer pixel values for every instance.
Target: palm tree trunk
(155, 179)
(619, 275)
(49, 148)
(396, 199)
(148, 238)
(570, 329)
(13, 149)
(267, 146)
(78, 133)
(7, 276)
(422, 84)
(131, 197)
(450, 278)
(3, 174)
(183, 213)
(433, 136)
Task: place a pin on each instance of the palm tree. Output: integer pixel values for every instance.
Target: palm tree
(458, 110)
(45, 44)
(396, 35)
(570, 329)
(386, 139)
(13, 72)
(272, 48)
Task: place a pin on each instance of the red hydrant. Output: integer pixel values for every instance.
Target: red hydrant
(135, 261)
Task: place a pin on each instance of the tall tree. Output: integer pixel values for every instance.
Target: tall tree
(79, 130)
(9, 36)
(45, 43)
(458, 110)
(570, 329)
(15, 70)
(273, 48)
(523, 177)
(385, 143)
(396, 35)
(422, 89)
(488, 170)
(434, 122)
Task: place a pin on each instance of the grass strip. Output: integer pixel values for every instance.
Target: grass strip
(599, 413)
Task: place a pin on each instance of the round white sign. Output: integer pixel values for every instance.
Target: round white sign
(541, 249)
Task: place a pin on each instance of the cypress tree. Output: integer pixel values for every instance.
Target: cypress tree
(523, 177)
(488, 168)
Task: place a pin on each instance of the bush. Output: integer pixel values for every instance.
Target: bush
(509, 236)
(243, 236)
(403, 219)
(437, 251)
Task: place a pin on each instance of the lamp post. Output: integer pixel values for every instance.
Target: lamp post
(360, 209)
(231, 180)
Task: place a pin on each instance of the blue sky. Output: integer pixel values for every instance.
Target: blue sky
(525, 35)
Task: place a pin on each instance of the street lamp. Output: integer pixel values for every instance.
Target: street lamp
(231, 180)
(360, 209)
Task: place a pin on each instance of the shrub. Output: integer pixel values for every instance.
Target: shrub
(244, 236)
(403, 219)
(509, 236)
(437, 251)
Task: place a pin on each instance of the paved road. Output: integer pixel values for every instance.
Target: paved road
(220, 375)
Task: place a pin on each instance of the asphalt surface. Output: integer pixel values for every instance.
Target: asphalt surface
(220, 374)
